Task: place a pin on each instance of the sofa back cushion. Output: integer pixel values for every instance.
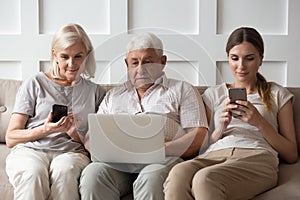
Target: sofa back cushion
(8, 90)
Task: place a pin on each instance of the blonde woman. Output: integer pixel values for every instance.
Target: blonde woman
(47, 157)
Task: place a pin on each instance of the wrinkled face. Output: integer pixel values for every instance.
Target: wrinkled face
(244, 61)
(144, 67)
(71, 61)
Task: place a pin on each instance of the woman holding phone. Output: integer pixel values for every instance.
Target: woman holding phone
(242, 159)
(47, 156)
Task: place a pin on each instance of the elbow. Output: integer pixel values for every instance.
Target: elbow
(9, 144)
(292, 157)
(199, 144)
(295, 155)
(292, 160)
(8, 141)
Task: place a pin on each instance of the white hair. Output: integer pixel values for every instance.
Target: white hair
(145, 41)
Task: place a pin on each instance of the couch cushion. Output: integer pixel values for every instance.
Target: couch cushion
(8, 90)
(288, 184)
(5, 187)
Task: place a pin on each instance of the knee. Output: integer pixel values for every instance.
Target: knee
(88, 175)
(32, 176)
(93, 175)
(206, 179)
(151, 177)
(147, 180)
(148, 186)
(178, 179)
(178, 172)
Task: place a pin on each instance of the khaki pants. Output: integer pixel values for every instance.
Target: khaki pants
(101, 181)
(39, 175)
(224, 174)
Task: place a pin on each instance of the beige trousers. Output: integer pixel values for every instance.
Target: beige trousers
(39, 175)
(100, 181)
(224, 174)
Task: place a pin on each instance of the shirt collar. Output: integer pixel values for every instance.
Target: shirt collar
(163, 81)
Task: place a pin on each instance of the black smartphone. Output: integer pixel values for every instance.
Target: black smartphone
(58, 111)
(237, 94)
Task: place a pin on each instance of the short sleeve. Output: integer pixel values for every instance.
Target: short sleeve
(25, 98)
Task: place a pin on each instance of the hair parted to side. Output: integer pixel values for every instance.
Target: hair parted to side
(252, 36)
(145, 41)
(65, 37)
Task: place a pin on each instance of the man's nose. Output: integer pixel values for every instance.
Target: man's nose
(141, 68)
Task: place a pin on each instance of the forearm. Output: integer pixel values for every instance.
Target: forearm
(189, 144)
(286, 149)
(216, 135)
(14, 137)
(76, 136)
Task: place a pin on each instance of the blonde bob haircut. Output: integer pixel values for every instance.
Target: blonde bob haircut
(65, 37)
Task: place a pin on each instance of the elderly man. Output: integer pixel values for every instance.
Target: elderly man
(148, 90)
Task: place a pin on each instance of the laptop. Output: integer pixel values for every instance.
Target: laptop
(126, 138)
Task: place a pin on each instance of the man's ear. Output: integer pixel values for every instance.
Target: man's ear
(163, 60)
(126, 62)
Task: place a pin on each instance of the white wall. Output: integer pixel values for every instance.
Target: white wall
(194, 33)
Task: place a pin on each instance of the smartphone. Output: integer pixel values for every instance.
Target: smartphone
(237, 94)
(58, 111)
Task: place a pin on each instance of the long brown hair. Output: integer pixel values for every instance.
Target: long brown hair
(252, 36)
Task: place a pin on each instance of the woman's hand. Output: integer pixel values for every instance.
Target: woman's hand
(63, 125)
(224, 119)
(72, 132)
(246, 112)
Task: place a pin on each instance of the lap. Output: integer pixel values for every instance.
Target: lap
(70, 160)
(30, 159)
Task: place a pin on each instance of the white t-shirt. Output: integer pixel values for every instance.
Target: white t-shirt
(238, 133)
(35, 98)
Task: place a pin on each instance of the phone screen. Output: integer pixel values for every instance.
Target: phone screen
(58, 111)
(237, 94)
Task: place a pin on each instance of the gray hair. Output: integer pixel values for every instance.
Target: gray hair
(145, 41)
(65, 37)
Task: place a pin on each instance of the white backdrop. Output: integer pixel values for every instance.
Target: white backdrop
(194, 33)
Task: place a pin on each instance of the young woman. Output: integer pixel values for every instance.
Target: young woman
(47, 158)
(242, 159)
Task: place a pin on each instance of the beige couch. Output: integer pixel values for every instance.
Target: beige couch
(289, 175)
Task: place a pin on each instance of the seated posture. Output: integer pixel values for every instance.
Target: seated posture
(47, 157)
(247, 135)
(148, 91)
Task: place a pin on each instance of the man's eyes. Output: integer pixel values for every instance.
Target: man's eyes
(144, 62)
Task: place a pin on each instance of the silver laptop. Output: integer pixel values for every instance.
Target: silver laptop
(125, 138)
